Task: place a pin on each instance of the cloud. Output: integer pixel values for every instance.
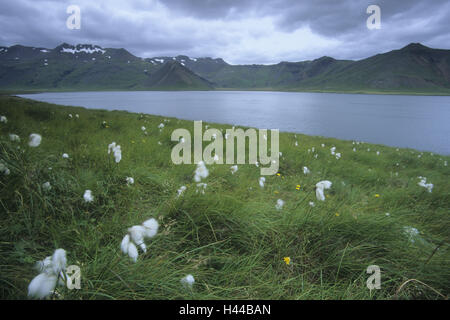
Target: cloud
(239, 31)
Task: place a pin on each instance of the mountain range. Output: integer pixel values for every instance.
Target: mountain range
(412, 69)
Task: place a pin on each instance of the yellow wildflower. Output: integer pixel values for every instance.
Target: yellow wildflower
(287, 260)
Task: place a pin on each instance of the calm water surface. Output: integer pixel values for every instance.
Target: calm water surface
(419, 122)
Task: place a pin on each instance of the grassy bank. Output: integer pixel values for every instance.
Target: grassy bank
(232, 239)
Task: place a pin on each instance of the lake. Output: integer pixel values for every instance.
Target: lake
(418, 122)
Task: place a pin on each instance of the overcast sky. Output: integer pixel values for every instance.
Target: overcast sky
(239, 31)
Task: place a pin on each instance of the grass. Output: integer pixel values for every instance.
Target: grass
(231, 239)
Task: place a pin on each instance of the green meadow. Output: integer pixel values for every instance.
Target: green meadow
(232, 239)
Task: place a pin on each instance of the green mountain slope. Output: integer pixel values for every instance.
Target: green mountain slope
(87, 67)
(412, 69)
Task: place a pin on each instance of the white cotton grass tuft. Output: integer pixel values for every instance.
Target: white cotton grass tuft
(312, 204)
(181, 190)
(116, 150)
(34, 140)
(262, 180)
(411, 233)
(46, 186)
(320, 186)
(234, 169)
(88, 197)
(143, 128)
(136, 236)
(50, 269)
(129, 180)
(306, 170)
(65, 156)
(188, 281)
(4, 169)
(333, 150)
(161, 126)
(151, 227)
(423, 183)
(201, 187)
(280, 204)
(42, 286)
(59, 261)
(201, 172)
(14, 137)
(3, 119)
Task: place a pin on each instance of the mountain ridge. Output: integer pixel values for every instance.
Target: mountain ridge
(413, 68)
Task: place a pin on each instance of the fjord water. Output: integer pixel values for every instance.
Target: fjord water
(418, 122)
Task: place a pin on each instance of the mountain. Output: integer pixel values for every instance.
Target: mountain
(414, 68)
(88, 67)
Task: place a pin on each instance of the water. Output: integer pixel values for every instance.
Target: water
(419, 122)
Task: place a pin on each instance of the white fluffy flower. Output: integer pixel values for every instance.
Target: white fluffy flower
(35, 140)
(59, 261)
(116, 150)
(234, 169)
(188, 281)
(88, 197)
(201, 187)
(46, 186)
(124, 243)
(42, 286)
(201, 172)
(161, 125)
(129, 180)
(132, 251)
(181, 190)
(306, 170)
(151, 227)
(65, 156)
(333, 150)
(3, 119)
(423, 183)
(14, 137)
(111, 147)
(50, 269)
(280, 204)
(338, 156)
(143, 128)
(311, 204)
(320, 186)
(262, 180)
(4, 169)
(411, 232)
(137, 234)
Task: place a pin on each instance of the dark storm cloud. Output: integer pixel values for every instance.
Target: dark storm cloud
(251, 31)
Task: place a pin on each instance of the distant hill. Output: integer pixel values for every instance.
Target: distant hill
(412, 69)
(88, 67)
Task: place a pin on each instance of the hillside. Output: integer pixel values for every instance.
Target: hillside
(87, 67)
(412, 69)
(229, 234)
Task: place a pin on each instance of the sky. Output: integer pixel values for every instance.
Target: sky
(239, 31)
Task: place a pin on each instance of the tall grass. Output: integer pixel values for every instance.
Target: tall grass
(232, 239)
